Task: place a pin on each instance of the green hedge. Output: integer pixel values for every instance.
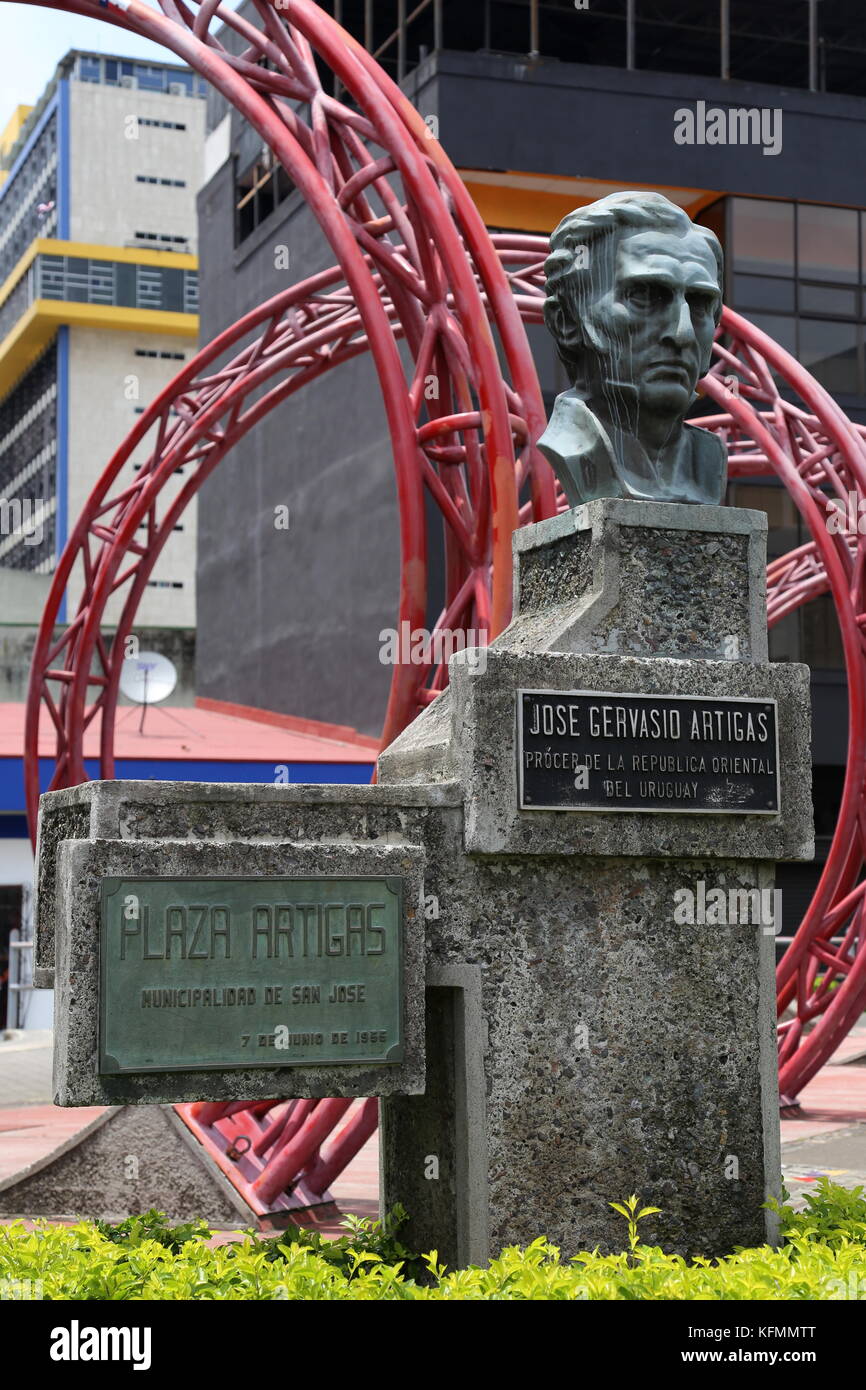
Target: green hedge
(823, 1257)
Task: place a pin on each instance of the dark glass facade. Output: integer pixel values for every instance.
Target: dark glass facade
(28, 468)
(760, 40)
(798, 271)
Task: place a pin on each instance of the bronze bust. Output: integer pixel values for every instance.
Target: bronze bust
(634, 295)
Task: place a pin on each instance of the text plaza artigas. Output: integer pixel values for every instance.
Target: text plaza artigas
(209, 931)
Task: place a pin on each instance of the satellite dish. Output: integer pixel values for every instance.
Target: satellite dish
(147, 678)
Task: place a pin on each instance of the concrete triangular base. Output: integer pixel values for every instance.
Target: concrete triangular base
(127, 1160)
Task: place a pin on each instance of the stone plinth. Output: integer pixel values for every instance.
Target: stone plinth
(174, 830)
(623, 1052)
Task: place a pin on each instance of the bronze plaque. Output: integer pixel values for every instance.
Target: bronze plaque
(215, 973)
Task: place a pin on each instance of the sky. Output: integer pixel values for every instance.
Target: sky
(34, 38)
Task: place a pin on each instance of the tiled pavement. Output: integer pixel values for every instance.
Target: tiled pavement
(25, 1070)
(828, 1136)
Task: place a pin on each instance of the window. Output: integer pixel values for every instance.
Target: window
(828, 299)
(764, 292)
(784, 330)
(811, 633)
(829, 350)
(148, 287)
(166, 183)
(118, 282)
(150, 79)
(821, 643)
(190, 291)
(763, 236)
(89, 69)
(796, 272)
(165, 237)
(28, 453)
(34, 182)
(692, 45)
(262, 187)
(827, 243)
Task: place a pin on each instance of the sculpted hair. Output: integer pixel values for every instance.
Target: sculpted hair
(582, 253)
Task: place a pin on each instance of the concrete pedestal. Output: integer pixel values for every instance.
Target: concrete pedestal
(589, 1045)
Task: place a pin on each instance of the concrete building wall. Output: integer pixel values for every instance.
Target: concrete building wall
(293, 617)
(132, 162)
(24, 592)
(111, 148)
(108, 383)
(17, 641)
(34, 1008)
(566, 119)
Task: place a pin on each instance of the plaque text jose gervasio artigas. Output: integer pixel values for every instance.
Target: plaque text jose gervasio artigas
(607, 751)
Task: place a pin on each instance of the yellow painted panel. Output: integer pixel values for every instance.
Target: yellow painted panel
(35, 329)
(537, 202)
(119, 316)
(47, 246)
(138, 255)
(13, 128)
(21, 346)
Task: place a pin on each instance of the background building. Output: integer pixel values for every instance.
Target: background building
(541, 107)
(98, 309)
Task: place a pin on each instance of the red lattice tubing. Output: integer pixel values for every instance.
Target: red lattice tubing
(467, 459)
(791, 580)
(338, 1154)
(424, 269)
(199, 396)
(304, 331)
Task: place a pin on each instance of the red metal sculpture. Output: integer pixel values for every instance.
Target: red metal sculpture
(415, 262)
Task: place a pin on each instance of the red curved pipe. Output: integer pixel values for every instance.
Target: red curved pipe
(437, 290)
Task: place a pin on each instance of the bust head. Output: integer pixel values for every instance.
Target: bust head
(633, 300)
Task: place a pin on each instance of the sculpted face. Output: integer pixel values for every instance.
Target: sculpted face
(632, 301)
(655, 323)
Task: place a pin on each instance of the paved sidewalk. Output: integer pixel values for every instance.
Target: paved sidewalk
(25, 1069)
(828, 1135)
